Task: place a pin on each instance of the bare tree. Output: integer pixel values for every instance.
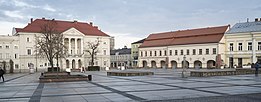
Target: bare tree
(49, 44)
(93, 49)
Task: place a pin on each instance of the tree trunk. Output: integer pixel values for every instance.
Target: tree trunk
(92, 62)
(51, 62)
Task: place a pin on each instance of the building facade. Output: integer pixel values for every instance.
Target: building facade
(243, 44)
(135, 52)
(9, 50)
(195, 48)
(121, 57)
(76, 37)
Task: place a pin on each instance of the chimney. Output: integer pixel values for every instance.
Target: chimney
(32, 20)
(256, 19)
(91, 23)
(74, 21)
(43, 18)
(53, 19)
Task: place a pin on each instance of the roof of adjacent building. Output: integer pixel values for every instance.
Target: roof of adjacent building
(140, 41)
(182, 37)
(85, 28)
(122, 51)
(245, 27)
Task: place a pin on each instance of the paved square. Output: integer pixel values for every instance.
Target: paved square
(165, 85)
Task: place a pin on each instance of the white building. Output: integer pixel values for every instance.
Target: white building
(76, 35)
(243, 44)
(9, 50)
(199, 48)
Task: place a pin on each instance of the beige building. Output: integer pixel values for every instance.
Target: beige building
(197, 48)
(76, 35)
(243, 44)
(135, 52)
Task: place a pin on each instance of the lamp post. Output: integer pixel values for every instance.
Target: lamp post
(183, 71)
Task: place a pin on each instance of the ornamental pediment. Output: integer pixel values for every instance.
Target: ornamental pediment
(73, 31)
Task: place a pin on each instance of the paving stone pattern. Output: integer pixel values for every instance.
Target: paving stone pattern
(166, 85)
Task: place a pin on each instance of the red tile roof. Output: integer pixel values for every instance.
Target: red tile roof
(85, 28)
(192, 36)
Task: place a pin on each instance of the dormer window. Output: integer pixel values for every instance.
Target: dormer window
(28, 40)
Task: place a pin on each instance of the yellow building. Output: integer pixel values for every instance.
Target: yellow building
(243, 44)
(135, 52)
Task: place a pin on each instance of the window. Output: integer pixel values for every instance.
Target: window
(170, 52)
(239, 46)
(15, 56)
(214, 51)
(231, 47)
(1, 56)
(29, 52)
(150, 53)
(145, 53)
(45, 64)
(207, 51)
(249, 45)
(155, 53)
(176, 52)
(200, 51)
(7, 47)
(16, 66)
(16, 47)
(141, 54)
(105, 62)
(187, 51)
(7, 55)
(104, 52)
(165, 53)
(1, 47)
(259, 46)
(160, 53)
(194, 52)
(27, 39)
(181, 52)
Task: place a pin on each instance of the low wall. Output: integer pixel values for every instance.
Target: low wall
(63, 77)
(129, 73)
(206, 73)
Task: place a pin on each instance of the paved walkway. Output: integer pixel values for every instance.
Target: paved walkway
(165, 85)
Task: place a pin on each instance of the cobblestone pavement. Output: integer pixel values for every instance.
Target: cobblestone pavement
(165, 85)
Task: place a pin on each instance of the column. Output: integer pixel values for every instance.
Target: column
(69, 49)
(75, 46)
(81, 46)
(254, 59)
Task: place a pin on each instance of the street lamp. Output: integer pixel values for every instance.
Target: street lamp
(183, 71)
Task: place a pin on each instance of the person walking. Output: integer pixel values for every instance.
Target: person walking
(83, 70)
(256, 67)
(2, 72)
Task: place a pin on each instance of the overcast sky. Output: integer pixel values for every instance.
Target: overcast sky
(130, 20)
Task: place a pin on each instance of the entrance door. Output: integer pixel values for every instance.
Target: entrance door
(231, 62)
(240, 62)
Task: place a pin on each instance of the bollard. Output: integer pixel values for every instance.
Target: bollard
(90, 77)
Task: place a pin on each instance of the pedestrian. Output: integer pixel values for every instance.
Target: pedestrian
(83, 70)
(2, 72)
(257, 67)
